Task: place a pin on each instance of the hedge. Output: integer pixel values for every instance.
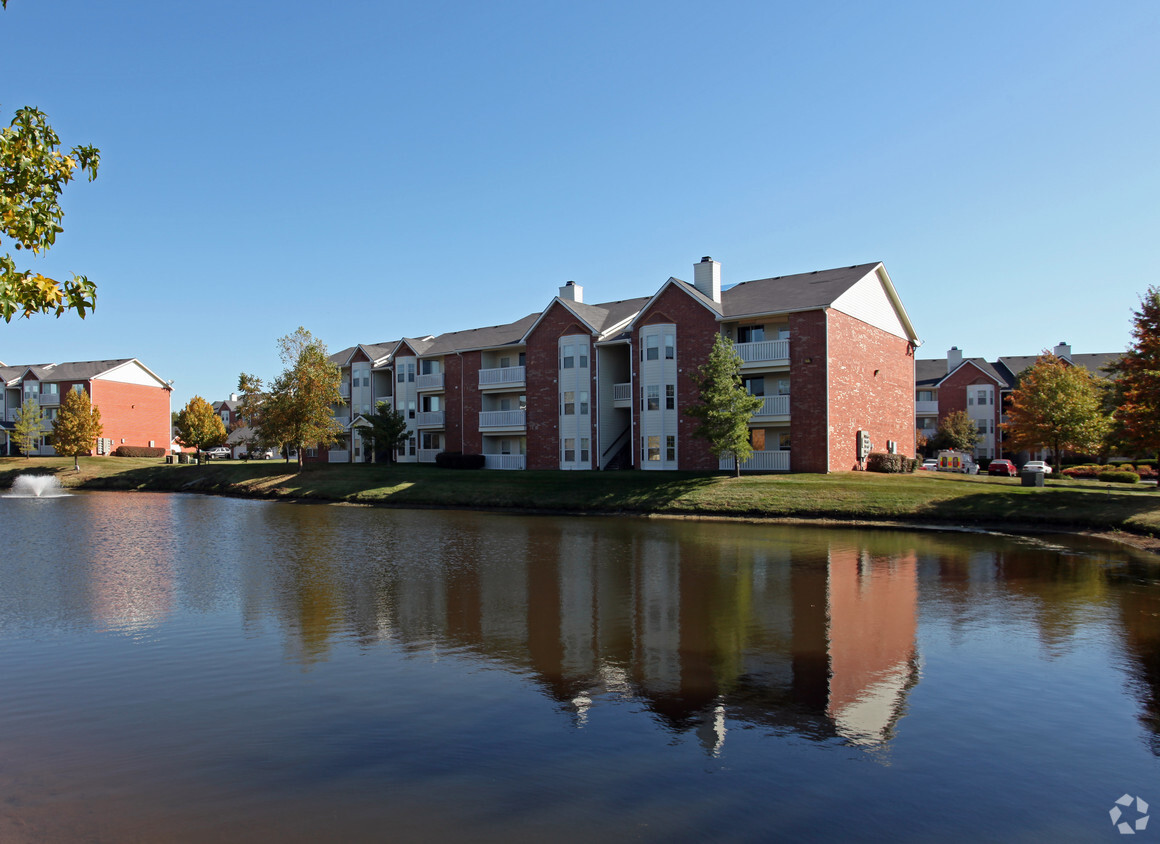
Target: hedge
(1118, 476)
(890, 463)
(459, 460)
(138, 451)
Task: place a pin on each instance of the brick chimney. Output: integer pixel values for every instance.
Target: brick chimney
(573, 292)
(707, 278)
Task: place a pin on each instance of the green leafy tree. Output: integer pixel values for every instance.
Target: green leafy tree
(296, 410)
(1059, 407)
(199, 426)
(387, 429)
(33, 172)
(725, 406)
(77, 426)
(29, 426)
(1137, 380)
(956, 431)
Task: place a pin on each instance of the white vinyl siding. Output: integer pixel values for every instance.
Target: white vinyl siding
(574, 383)
(656, 397)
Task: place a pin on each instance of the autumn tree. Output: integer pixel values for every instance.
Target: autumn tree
(387, 429)
(1137, 379)
(199, 426)
(296, 410)
(1056, 406)
(29, 426)
(77, 426)
(725, 406)
(957, 431)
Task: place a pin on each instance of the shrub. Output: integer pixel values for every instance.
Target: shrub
(890, 463)
(1118, 476)
(138, 451)
(1089, 470)
(459, 460)
(1145, 471)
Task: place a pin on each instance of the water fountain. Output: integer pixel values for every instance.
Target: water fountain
(36, 486)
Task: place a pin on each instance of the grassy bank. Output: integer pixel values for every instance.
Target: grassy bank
(858, 496)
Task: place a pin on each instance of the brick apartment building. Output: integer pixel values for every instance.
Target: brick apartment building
(596, 386)
(981, 388)
(132, 399)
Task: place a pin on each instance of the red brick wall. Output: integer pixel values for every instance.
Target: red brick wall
(472, 440)
(952, 392)
(871, 378)
(696, 329)
(134, 413)
(453, 402)
(808, 415)
(542, 371)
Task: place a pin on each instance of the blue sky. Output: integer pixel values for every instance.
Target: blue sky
(373, 170)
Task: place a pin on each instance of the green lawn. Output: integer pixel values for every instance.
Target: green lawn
(854, 496)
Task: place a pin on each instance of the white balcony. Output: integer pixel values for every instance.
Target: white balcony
(50, 399)
(763, 351)
(502, 377)
(429, 419)
(380, 399)
(344, 390)
(430, 381)
(504, 461)
(502, 418)
(774, 406)
(338, 455)
(926, 408)
(427, 455)
(760, 461)
(622, 395)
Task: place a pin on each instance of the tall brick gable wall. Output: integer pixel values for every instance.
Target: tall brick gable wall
(871, 386)
(134, 413)
(696, 329)
(542, 377)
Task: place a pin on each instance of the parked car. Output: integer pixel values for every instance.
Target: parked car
(1002, 467)
(930, 464)
(1036, 466)
(219, 453)
(263, 453)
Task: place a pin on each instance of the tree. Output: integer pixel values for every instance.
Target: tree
(29, 426)
(199, 426)
(956, 431)
(387, 430)
(725, 406)
(1137, 379)
(33, 173)
(77, 425)
(296, 411)
(1056, 406)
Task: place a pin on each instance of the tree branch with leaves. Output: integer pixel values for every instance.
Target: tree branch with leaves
(725, 406)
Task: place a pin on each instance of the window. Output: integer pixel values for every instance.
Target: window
(505, 446)
(410, 372)
(652, 347)
(78, 388)
(783, 386)
(49, 389)
(750, 333)
(505, 362)
(401, 373)
(584, 450)
(523, 358)
(427, 367)
(670, 347)
(653, 401)
(569, 403)
(783, 442)
(430, 441)
(583, 357)
(926, 395)
(671, 448)
(583, 403)
(505, 404)
(569, 449)
(569, 357)
(411, 446)
(411, 409)
(670, 396)
(653, 449)
(754, 386)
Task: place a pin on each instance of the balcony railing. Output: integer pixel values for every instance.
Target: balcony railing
(342, 418)
(761, 461)
(763, 350)
(429, 419)
(338, 455)
(344, 390)
(430, 381)
(502, 418)
(504, 461)
(49, 399)
(926, 407)
(379, 399)
(622, 393)
(503, 375)
(427, 455)
(774, 406)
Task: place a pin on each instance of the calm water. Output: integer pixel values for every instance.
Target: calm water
(189, 669)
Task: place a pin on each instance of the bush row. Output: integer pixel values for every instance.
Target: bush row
(138, 451)
(891, 463)
(459, 460)
(1093, 470)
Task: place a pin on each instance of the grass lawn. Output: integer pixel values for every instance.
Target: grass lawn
(925, 497)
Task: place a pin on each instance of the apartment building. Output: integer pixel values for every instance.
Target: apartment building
(585, 386)
(132, 399)
(981, 389)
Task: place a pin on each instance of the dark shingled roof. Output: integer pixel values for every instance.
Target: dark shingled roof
(801, 292)
(481, 338)
(928, 373)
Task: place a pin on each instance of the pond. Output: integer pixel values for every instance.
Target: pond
(189, 669)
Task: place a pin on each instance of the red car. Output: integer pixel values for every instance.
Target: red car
(1002, 467)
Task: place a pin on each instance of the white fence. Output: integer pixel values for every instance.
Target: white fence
(504, 461)
(338, 456)
(763, 350)
(427, 455)
(504, 375)
(430, 381)
(429, 419)
(502, 418)
(774, 406)
(761, 461)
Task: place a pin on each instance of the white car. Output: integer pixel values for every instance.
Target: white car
(1036, 466)
(219, 453)
(929, 465)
